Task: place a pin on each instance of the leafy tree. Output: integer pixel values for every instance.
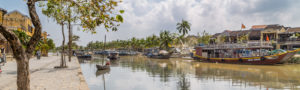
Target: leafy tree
(204, 37)
(90, 14)
(51, 44)
(165, 40)
(183, 27)
(24, 38)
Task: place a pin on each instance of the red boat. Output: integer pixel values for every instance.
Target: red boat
(223, 54)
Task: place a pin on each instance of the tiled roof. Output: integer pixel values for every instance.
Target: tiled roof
(274, 26)
(17, 12)
(239, 33)
(258, 26)
(296, 29)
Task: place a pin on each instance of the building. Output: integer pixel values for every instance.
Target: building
(2, 13)
(17, 21)
(3, 41)
(290, 39)
(263, 34)
(270, 32)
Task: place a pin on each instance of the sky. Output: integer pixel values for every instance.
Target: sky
(146, 17)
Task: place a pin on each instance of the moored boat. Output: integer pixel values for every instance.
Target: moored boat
(86, 56)
(241, 54)
(113, 55)
(162, 54)
(102, 67)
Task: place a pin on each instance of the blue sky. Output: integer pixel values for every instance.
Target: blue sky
(146, 17)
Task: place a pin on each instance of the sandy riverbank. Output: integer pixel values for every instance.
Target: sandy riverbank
(44, 76)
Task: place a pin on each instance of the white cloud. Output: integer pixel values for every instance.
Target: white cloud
(147, 17)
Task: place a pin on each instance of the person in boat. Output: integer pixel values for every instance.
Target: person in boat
(107, 63)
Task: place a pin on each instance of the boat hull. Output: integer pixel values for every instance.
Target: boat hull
(113, 57)
(85, 57)
(264, 60)
(100, 67)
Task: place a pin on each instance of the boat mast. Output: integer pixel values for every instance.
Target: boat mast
(104, 48)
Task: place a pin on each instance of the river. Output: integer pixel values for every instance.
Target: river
(141, 73)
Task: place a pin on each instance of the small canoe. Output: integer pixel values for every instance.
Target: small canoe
(101, 67)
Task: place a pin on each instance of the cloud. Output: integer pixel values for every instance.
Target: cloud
(146, 17)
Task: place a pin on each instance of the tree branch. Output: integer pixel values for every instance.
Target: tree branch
(39, 0)
(38, 28)
(14, 42)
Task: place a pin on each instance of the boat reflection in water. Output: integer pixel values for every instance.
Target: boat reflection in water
(277, 77)
(141, 73)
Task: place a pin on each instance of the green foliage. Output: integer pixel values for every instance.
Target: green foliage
(184, 27)
(165, 40)
(23, 37)
(75, 38)
(242, 38)
(91, 13)
(295, 60)
(51, 44)
(204, 37)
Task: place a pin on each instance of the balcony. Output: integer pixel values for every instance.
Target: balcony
(248, 45)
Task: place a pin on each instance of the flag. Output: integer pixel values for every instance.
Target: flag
(243, 26)
(267, 39)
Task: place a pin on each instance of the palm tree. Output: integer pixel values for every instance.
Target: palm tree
(133, 43)
(184, 27)
(165, 40)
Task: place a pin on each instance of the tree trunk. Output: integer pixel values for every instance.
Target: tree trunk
(23, 78)
(63, 63)
(70, 41)
(21, 55)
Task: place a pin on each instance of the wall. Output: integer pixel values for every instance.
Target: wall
(17, 21)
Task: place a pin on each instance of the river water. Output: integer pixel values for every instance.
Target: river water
(141, 73)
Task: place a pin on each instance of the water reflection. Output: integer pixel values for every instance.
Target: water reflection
(278, 77)
(140, 73)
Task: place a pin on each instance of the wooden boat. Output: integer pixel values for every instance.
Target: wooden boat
(203, 55)
(102, 67)
(161, 54)
(113, 55)
(87, 56)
